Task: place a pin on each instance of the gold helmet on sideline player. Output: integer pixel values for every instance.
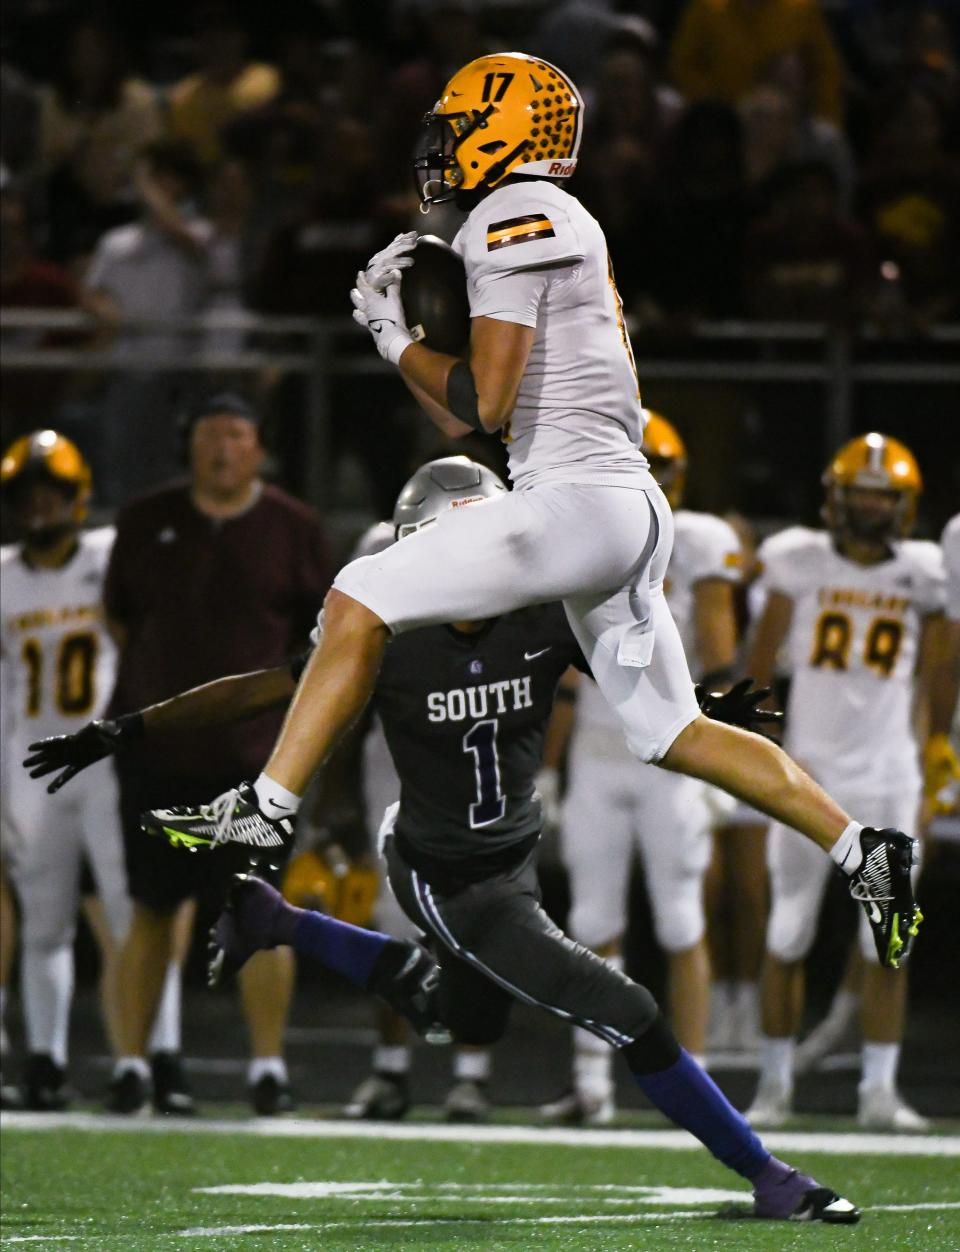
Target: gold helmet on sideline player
(49, 454)
(667, 454)
(508, 113)
(877, 463)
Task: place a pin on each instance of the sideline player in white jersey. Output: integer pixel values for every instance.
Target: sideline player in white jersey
(58, 665)
(853, 608)
(615, 807)
(58, 668)
(550, 367)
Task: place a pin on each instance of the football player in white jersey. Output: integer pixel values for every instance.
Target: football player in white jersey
(615, 807)
(58, 666)
(550, 367)
(852, 609)
(941, 768)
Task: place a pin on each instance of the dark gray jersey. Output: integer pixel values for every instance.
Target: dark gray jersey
(464, 718)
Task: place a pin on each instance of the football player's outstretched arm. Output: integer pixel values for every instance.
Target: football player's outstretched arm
(217, 703)
(478, 395)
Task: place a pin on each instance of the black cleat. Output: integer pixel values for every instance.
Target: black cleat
(234, 817)
(882, 886)
(171, 1091)
(408, 978)
(270, 1097)
(45, 1085)
(128, 1093)
(380, 1098)
(816, 1204)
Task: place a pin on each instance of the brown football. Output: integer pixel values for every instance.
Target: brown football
(434, 291)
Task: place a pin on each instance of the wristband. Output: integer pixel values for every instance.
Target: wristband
(397, 347)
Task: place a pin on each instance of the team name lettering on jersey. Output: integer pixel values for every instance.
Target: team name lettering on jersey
(54, 617)
(508, 695)
(854, 598)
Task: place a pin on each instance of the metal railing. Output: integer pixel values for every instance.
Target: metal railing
(324, 349)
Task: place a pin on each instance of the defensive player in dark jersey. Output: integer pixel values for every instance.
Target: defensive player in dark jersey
(464, 712)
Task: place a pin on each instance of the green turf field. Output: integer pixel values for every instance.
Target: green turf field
(255, 1185)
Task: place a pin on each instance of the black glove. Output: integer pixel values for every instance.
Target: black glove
(738, 706)
(73, 753)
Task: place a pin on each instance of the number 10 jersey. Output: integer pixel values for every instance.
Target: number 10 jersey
(851, 652)
(59, 663)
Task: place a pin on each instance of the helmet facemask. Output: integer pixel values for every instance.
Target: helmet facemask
(435, 162)
(850, 517)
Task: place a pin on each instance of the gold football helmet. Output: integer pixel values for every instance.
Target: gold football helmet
(667, 454)
(874, 462)
(51, 454)
(508, 113)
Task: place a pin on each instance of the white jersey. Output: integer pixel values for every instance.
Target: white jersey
(704, 547)
(59, 663)
(950, 542)
(851, 652)
(534, 256)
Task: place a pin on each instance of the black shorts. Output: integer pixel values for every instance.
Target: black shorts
(496, 944)
(161, 876)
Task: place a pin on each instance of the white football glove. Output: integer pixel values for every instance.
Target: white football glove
(395, 256)
(381, 312)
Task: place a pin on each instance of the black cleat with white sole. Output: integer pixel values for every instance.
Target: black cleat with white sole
(881, 886)
(234, 817)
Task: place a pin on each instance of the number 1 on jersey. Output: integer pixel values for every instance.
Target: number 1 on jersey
(490, 805)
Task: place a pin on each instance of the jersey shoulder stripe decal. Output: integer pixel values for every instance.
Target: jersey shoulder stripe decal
(519, 230)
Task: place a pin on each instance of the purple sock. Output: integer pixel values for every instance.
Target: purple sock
(349, 950)
(691, 1099)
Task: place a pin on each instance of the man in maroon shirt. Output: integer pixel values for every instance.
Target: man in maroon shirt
(213, 576)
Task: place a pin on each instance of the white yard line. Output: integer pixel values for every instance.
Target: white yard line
(853, 1144)
(202, 1232)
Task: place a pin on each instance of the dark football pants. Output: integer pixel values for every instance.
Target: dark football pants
(495, 943)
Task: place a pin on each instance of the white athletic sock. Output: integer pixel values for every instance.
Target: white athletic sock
(137, 1063)
(391, 1059)
(47, 975)
(846, 851)
(264, 1066)
(746, 999)
(165, 1034)
(471, 1066)
(776, 1061)
(274, 800)
(879, 1065)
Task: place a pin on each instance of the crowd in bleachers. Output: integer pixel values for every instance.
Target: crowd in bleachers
(748, 157)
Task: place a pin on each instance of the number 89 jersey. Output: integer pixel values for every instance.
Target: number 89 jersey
(852, 654)
(58, 660)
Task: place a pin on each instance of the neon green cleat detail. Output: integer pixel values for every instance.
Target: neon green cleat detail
(180, 839)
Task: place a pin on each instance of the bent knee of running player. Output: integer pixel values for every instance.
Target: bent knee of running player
(511, 938)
